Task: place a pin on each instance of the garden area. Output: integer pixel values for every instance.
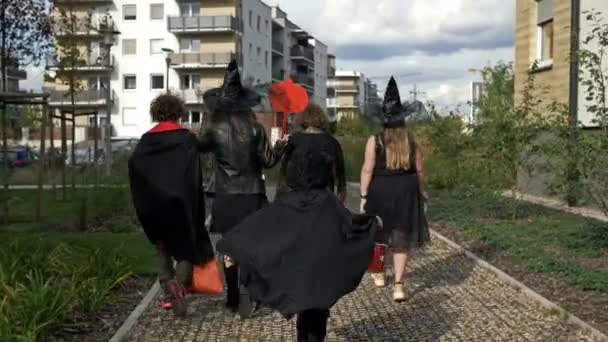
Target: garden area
(77, 271)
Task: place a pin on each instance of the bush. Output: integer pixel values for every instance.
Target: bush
(42, 286)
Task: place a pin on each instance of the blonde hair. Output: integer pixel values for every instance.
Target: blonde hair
(397, 148)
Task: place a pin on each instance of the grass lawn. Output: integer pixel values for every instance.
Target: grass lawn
(569, 247)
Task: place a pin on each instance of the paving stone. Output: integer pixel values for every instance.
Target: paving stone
(450, 299)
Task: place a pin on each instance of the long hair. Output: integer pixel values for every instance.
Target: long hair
(397, 148)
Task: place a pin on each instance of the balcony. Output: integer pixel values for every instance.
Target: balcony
(14, 72)
(88, 98)
(84, 27)
(202, 24)
(303, 52)
(91, 63)
(189, 96)
(332, 102)
(198, 60)
(304, 80)
(278, 47)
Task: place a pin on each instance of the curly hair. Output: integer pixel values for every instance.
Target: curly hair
(167, 107)
(313, 116)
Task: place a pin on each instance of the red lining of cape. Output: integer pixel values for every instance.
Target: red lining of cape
(166, 126)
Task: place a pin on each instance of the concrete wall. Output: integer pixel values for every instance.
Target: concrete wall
(320, 93)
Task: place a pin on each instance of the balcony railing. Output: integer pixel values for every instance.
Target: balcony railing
(82, 27)
(86, 98)
(202, 24)
(93, 62)
(191, 60)
(303, 52)
(278, 46)
(332, 102)
(341, 88)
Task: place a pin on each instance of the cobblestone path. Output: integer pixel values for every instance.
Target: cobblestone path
(450, 299)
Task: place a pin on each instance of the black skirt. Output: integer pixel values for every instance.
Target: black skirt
(397, 200)
(231, 209)
(304, 251)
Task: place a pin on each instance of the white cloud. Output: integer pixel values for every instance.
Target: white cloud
(431, 43)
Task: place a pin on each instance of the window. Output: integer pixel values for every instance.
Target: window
(191, 9)
(190, 81)
(157, 82)
(266, 59)
(544, 38)
(130, 82)
(259, 22)
(157, 11)
(97, 82)
(251, 19)
(190, 45)
(129, 116)
(259, 54)
(129, 12)
(156, 46)
(129, 47)
(266, 27)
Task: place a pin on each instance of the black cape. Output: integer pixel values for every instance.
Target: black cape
(166, 186)
(304, 251)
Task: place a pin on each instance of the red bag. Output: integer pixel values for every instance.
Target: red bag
(376, 265)
(207, 278)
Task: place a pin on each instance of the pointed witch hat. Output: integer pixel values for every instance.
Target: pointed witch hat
(231, 96)
(392, 109)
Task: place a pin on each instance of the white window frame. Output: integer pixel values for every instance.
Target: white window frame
(123, 116)
(161, 42)
(543, 63)
(190, 6)
(190, 45)
(152, 83)
(191, 84)
(123, 12)
(162, 17)
(124, 83)
(123, 47)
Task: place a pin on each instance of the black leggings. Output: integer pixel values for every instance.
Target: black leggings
(312, 325)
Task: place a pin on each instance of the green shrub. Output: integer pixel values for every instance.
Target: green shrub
(42, 286)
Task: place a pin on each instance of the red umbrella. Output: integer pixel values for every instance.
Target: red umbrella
(287, 97)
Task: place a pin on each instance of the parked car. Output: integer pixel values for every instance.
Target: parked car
(19, 156)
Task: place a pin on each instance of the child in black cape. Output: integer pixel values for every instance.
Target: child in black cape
(166, 186)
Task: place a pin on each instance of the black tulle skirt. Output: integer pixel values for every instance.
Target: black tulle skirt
(397, 200)
(228, 210)
(304, 251)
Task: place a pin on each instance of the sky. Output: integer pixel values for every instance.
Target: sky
(430, 43)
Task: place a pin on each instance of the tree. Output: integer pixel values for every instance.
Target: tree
(507, 132)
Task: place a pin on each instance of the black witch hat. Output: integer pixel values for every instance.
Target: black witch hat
(231, 96)
(392, 109)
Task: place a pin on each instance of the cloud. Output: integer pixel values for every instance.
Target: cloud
(431, 43)
(445, 78)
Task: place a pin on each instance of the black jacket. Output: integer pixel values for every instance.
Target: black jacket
(241, 151)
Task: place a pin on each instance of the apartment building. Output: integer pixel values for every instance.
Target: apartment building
(184, 46)
(547, 31)
(298, 55)
(331, 91)
(349, 88)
